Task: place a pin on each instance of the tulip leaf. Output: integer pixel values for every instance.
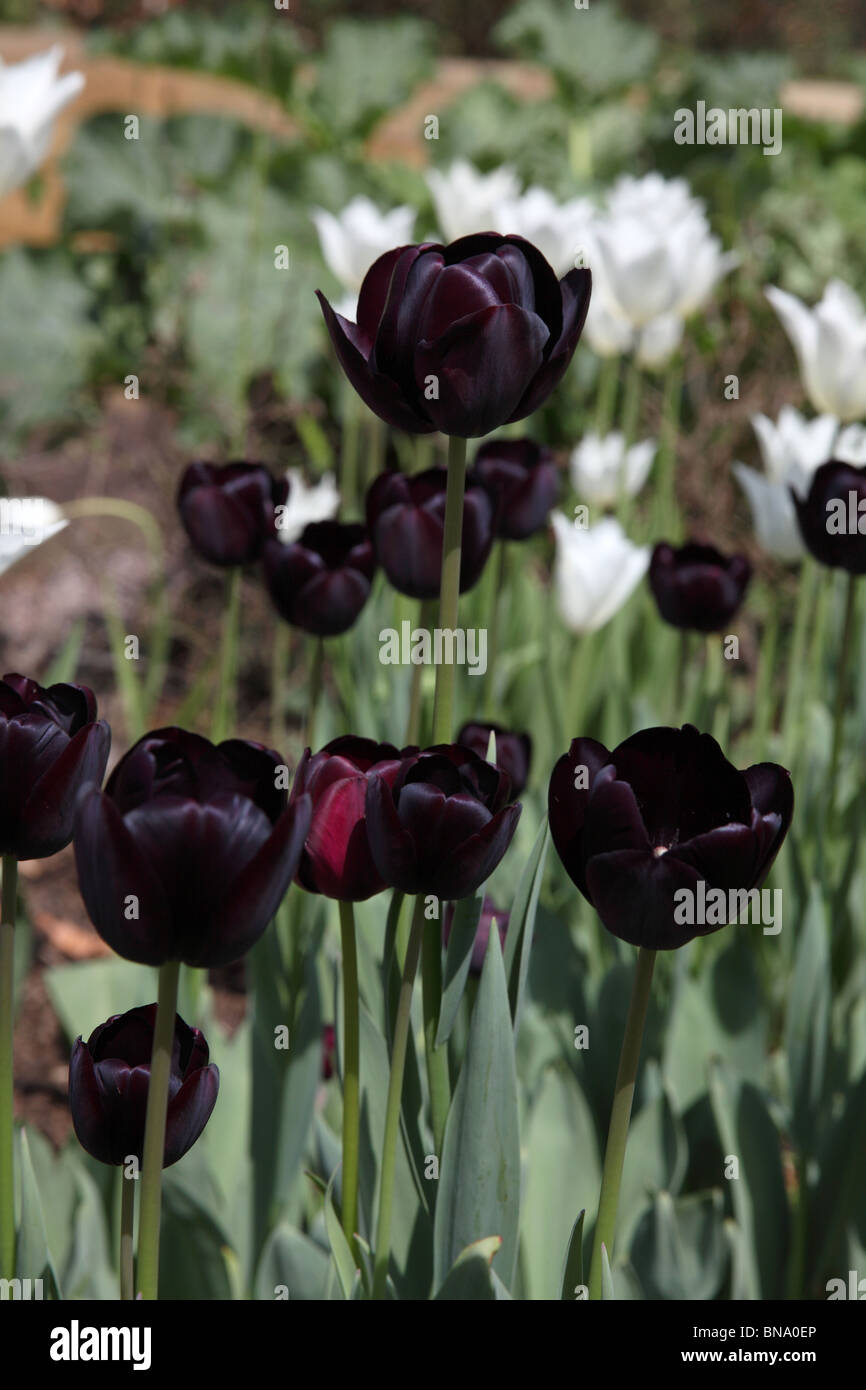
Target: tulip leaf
(572, 1276)
(679, 1250)
(563, 1174)
(607, 1289)
(839, 1188)
(33, 1259)
(87, 993)
(521, 925)
(88, 1271)
(342, 1255)
(458, 958)
(656, 1158)
(479, 1174)
(807, 1022)
(470, 1277)
(195, 1256)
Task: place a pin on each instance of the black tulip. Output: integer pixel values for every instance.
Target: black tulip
(832, 516)
(229, 510)
(696, 587)
(321, 581)
(523, 477)
(406, 521)
(513, 751)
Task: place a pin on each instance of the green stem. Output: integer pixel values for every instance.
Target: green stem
(413, 726)
(617, 1135)
(314, 690)
(631, 401)
(449, 592)
(392, 1112)
(224, 710)
(498, 575)
(7, 1084)
(794, 684)
(154, 1132)
(666, 502)
(438, 1075)
(351, 1074)
(608, 380)
(127, 1218)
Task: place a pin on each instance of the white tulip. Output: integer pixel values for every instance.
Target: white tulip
(358, 236)
(850, 447)
(596, 569)
(466, 200)
(830, 343)
(603, 469)
(559, 230)
(791, 450)
(306, 504)
(26, 522)
(31, 98)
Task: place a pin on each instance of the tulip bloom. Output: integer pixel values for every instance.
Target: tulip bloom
(468, 201)
(228, 510)
(832, 517)
(406, 522)
(661, 813)
(31, 98)
(513, 751)
(696, 587)
(336, 858)
(596, 570)
(188, 852)
(460, 338)
(489, 912)
(559, 230)
(353, 239)
(321, 581)
(524, 479)
(109, 1077)
(51, 745)
(442, 824)
(604, 469)
(830, 342)
(791, 450)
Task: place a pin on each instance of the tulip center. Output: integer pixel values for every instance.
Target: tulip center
(659, 850)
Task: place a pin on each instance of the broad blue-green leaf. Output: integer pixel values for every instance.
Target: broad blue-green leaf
(458, 958)
(679, 1251)
(479, 1182)
(563, 1174)
(33, 1257)
(807, 1023)
(195, 1258)
(89, 992)
(521, 925)
(572, 1277)
(470, 1277)
(342, 1255)
(656, 1158)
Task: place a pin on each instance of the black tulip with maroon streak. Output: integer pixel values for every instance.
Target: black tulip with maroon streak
(321, 581)
(460, 338)
(443, 824)
(406, 521)
(523, 477)
(51, 745)
(228, 510)
(832, 516)
(188, 852)
(336, 858)
(696, 587)
(660, 813)
(109, 1077)
(513, 751)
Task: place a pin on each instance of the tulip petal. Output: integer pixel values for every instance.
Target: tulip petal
(189, 1111)
(463, 870)
(634, 895)
(392, 847)
(379, 392)
(567, 803)
(48, 813)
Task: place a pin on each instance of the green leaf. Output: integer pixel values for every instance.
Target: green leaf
(342, 1255)
(679, 1250)
(368, 67)
(87, 993)
(479, 1176)
(458, 958)
(196, 1261)
(33, 1258)
(521, 925)
(572, 1277)
(470, 1277)
(807, 1022)
(656, 1158)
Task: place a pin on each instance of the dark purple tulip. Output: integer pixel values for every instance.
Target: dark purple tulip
(443, 824)
(336, 858)
(321, 581)
(513, 751)
(406, 521)
(659, 814)
(51, 744)
(832, 516)
(228, 509)
(188, 852)
(329, 1051)
(460, 338)
(524, 479)
(697, 587)
(109, 1077)
(482, 935)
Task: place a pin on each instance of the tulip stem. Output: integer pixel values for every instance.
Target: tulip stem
(413, 727)
(7, 1084)
(631, 402)
(843, 667)
(608, 380)
(617, 1135)
(438, 1075)
(224, 710)
(351, 1074)
(395, 1094)
(498, 572)
(449, 591)
(154, 1131)
(666, 508)
(314, 690)
(127, 1219)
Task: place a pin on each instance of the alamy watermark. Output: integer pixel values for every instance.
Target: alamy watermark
(739, 125)
(443, 646)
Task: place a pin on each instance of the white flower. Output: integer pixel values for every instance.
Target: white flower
(466, 200)
(830, 342)
(850, 447)
(358, 236)
(595, 570)
(31, 98)
(26, 522)
(559, 230)
(603, 469)
(306, 504)
(791, 450)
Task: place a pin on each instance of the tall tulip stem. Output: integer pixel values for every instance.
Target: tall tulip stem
(413, 726)
(846, 658)
(449, 590)
(224, 710)
(617, 1135)
(7, 1098)
(395, 1095)
(438, 1075)
(314, 690)
(351, 1073)
(498, 574)
(154, 1132)
(127, 1219)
